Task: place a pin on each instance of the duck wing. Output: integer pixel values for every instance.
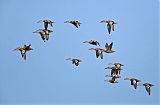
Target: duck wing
(101, 55)
(43, 37)
(107, 46)
(45, 25)
(110, 46)
(18, 49)
(75, 24)
(109, 28)
(97, 53)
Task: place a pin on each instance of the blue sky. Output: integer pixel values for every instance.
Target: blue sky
(46, 78)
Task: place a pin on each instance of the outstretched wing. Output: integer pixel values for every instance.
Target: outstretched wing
(107, 46)
(101, 55)
(43, 37)
(75, 24)
(110, 46)
(40, 21)
(70, 59)
(18, 49)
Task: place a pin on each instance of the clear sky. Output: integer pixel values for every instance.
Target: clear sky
(47, 78)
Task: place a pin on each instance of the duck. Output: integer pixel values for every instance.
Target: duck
(44, 34)
(114, 70)
(23, 50)
(147, 87)
(109, 48)
(113, 80)
(76, 23)
(134, 82)
(118, 65)
(93, 42)
(46, 23)
(99, 52)
(110, 25)
(75, 61)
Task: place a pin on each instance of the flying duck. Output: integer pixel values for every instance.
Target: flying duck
(147, 86)
(75, 23)
(114, 70)
(93, 42)
(110, 24)
(109, 48)
(74, 61)
(99, 52)
(46, 23)
(113, 80)
(23, 50)
(44, 33)
(133, 81)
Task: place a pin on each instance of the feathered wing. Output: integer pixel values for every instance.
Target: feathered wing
(85, 42)
(75, 24)
(107, 46)
(43, 37)
(110, 46)
(51, 24)
(45, 25)
(112, 27)
(40, 21)
(101, 55)
(98, 43)
(70, 59)
(109, 28)
(17, 49)
(97, 53)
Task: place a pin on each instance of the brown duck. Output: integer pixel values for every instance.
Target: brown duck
(93, 42)
(99, 52)
(147, 86)
(134, 81)
(23, 50)
(46, 23)
(118, 65)
(75, 23)
(114, 70)
(113, 80)
(43, 33)
(74, 61)
(109, 48)
(110, 25)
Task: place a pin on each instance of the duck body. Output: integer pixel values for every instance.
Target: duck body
(93, 42)
(44, 34)
(99, 52)
(133, 81)
(74, 61)
(76, 23)
(23, 50)
(46, 23)
(110, 25)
